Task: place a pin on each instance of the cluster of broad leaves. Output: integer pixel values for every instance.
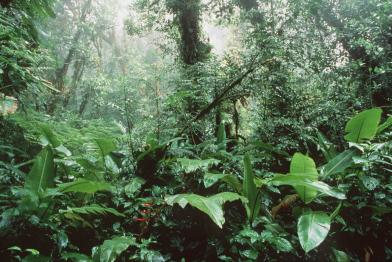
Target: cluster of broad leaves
(312, 226)
(63, 191)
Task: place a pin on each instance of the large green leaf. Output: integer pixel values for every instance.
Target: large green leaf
(191, 165)
(326, 146)
(212, 206)
(42, 174)
(385, 125)
(363, 126)
(84, 186)
(111, 249)
(301, 164)
(48, 137)
(105, 146)
(312, 229)
(250, 191)
(304, 180)
(212, 178)
(339, 163)
(93, 209)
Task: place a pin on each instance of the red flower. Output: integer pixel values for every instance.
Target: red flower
(141, 219)
(147, 204)
(144, 211)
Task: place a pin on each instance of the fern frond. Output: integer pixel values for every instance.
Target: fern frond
(93, 209)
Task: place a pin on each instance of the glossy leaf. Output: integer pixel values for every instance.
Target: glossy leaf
(42, 173)
(111, 249)
(93, 209)
(105, 146)
(212, 206)
(84, 186)
(301, 164)
(363, 126)
(326, 146)
(210, 179)
(250, 191)
(384, 126)
(312, 229)
(339, 163)
(341, 256)
(304, 180)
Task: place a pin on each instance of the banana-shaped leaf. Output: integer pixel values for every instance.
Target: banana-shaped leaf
(385, 125)
(339, 163)
(111, 249)
(48, 137)
(250, 191)
(212, 206)
(313, 228)
(301, 164)
(93, 209)
(84, 186)
(363, 126)
(106, 146)
(42, 174)
(327, 148)
(305, 180)
(211, 178)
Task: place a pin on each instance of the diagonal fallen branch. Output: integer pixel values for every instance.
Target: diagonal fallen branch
(222, 95)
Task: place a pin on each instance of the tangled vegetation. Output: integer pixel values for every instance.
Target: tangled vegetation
(193, 130)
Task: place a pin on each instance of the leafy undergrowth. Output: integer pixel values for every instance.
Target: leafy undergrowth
(84, 198)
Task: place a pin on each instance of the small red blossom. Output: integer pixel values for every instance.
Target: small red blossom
(147, 204)
(141, 219)
(144, 211)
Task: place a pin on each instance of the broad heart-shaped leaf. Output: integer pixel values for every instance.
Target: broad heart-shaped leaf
(84, 186)
(191, 165)
(111, 249)
(212, 178)
(42, 174)
(312, 229)
(249, 190)
(301, 164)
(339, 163)
(363, 126)
(212, 206)
(305, 180)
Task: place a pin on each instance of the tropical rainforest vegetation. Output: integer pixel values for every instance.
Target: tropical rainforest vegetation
(195, 130)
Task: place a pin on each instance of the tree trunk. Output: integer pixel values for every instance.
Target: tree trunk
(62, 71)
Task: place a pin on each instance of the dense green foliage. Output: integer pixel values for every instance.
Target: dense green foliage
(230, 130)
